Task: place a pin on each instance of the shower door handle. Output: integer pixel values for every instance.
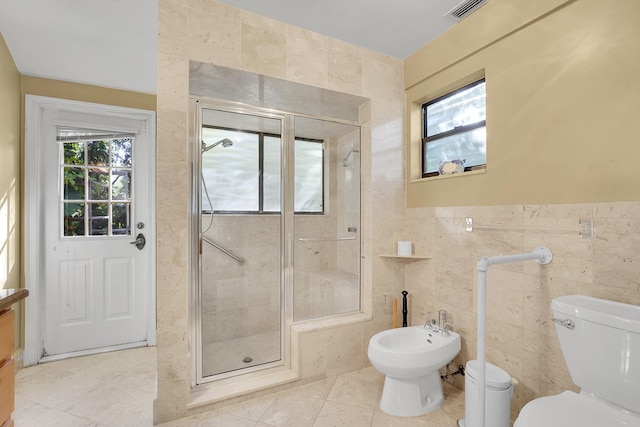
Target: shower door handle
(139, 242)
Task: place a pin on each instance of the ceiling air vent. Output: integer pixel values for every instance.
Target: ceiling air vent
(464, 9)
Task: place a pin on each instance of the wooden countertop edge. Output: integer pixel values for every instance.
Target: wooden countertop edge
(12, 297)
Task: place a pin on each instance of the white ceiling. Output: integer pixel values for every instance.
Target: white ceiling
(110, 43)
(113, 43)
(394, 27)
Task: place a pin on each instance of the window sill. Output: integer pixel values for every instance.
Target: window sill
(455, 175)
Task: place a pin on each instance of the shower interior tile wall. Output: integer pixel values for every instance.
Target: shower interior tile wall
(348, 203)
(325, 281)
(246, 298)
(521, 337)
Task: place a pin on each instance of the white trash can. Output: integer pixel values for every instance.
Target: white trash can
(498, 393)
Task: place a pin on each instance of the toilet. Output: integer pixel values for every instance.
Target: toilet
(410, 359)
(600, 342)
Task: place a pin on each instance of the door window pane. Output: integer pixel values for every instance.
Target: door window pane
(74, 153)
(121, 152)
(98, 219)
(99, 184)
(120, 184)
(73, 183)
(121, 221)
(98, 153)
(73, 219)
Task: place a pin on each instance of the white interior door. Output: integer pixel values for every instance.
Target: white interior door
(96, 291)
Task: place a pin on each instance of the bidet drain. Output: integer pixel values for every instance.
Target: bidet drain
(247, 359)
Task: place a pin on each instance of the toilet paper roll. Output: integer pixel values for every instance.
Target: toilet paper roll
(405, 248)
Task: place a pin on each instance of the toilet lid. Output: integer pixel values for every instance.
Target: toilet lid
(569, 409)
(496, 377)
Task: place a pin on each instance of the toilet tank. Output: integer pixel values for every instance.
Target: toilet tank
(602, 351)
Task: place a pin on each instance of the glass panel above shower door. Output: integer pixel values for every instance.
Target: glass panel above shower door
(240, 274)
(326, 255)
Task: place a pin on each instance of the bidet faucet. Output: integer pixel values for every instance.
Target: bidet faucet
(444, 331)
(442, 318)
(427, 323)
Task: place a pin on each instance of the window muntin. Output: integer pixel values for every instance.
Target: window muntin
(271, 175)
(455, 128)
(97, 178)
(246, 177)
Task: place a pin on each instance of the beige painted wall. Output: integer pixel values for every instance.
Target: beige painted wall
(87, 93)
(562, 90)
(10, 179)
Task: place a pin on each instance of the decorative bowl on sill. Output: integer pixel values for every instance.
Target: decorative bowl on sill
(451, 167)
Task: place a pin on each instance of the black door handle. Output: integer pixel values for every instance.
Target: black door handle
(140, 241)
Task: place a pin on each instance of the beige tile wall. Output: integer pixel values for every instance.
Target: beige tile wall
(211, 32)
(520, 335)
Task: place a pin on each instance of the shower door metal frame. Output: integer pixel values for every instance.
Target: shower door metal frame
(287, 242)
(197, 104)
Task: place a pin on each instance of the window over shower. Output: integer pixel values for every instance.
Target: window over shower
(246, 174)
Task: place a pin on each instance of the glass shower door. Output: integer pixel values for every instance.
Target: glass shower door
(326, 247)
(240, 271)
(277, 207)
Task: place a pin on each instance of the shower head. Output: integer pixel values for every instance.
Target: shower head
(225, 143)
(347, 159)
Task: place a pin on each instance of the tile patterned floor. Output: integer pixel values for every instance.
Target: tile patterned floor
(103, 390)
(118, 388)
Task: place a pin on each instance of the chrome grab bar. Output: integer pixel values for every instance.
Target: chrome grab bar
(567, 323)
(322, 239)
(227, 252)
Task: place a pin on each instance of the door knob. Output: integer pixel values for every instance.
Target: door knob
(140, 241)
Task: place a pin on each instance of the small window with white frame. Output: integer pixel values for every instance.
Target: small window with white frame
(97, 181)
(454, 132)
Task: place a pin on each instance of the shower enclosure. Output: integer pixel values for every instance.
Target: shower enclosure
(276, 231)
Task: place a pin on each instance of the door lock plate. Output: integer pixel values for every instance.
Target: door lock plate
(140, 241)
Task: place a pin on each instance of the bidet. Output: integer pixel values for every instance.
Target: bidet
(410, 359)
